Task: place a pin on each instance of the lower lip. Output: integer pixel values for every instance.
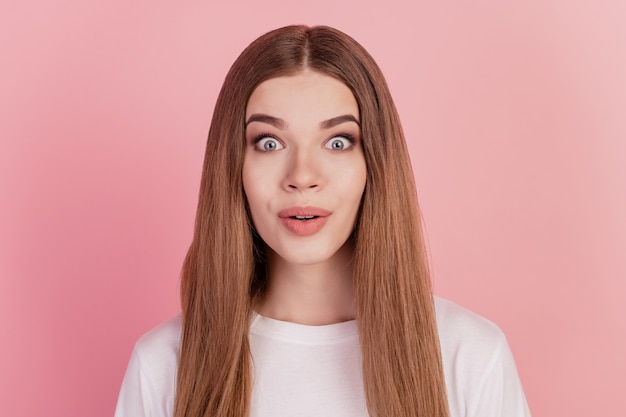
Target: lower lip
(304, 227)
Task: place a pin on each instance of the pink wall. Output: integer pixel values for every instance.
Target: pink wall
(515, 117)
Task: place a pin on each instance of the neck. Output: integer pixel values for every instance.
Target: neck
(314, 295)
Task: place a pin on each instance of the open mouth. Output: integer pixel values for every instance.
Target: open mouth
(303, 218)
(304, 214)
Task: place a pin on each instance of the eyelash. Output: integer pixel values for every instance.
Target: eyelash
(258, 137)
(345, 136)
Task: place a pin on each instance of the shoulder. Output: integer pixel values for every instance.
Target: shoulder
(162, 340)
(150, 381)
(459, 326)
(158, 350)
(481, 377)
(469, 342)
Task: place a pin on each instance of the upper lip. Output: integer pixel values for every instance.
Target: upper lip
(303, 211)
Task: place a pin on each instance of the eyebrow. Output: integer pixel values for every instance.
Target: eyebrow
(264, 118)
(327, 124)
(280, 123)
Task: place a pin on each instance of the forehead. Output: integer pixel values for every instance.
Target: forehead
(306, 94)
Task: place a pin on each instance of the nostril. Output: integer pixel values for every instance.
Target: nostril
(295, 187)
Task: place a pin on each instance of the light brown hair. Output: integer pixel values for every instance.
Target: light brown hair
(224, 271)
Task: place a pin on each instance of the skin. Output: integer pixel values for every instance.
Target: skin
(303, 148)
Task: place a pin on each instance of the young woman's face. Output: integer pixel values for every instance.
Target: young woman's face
(304, 171)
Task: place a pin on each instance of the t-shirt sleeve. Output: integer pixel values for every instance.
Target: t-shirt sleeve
(149, 385)
(136, 395)
(501, 393)
(481, 377)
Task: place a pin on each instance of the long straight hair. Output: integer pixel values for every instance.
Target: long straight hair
(224, 271)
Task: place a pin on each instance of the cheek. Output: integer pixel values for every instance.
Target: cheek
(358, 187)
(256, 180)
(249, 185)
(353, 179)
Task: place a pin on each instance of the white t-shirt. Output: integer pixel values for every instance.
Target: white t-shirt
(316, 370)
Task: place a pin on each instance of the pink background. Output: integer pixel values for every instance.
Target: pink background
(516, 120)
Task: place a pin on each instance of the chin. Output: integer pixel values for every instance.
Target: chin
(305, 258)
(317, 254)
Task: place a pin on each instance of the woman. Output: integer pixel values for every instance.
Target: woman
(305, 290)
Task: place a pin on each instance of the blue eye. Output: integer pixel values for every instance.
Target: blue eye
(339, 143)
(268, 144)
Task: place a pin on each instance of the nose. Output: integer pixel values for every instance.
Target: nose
(303, 171)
